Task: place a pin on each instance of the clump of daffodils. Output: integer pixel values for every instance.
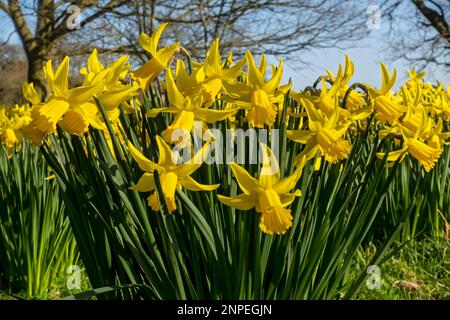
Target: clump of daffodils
(12, 122)
(322, 119)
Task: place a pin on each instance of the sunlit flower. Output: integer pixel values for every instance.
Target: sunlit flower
(262, 98)
(426, 153)
(387, 107)
(269, 194)
(187, 110)
(171, 175)
(160, 57)
(324, 136)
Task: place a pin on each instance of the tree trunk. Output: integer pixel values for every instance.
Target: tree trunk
(36, 73)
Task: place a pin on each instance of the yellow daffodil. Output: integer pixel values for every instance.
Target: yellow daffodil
(12, 123)
(261, 98)
(30, 94)
(324, 137)
(269, 194)
(426, 153)
(114, 91)
(73, 109)
(355, 99)
(187, 110)
(171, 175)
(217, 72)
(160, 58)
(387, 108)
(414, 77)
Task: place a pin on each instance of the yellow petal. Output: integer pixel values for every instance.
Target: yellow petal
(82, 94)
(112, 99)
(287, 184)
(151, 43)
(288, 198)
(115, 70)
(146, 183)
(176, 99)
(94, 65)
(30, 93)
(273, 83)
(255, 77)
(393, 155)
(300, 136)
(47, 115)
(240, 202)
(144, 163)
(166, 156)
(180, 128)
(190, 184)
(211, 115)
(270, 171)
(186, 169)
(154, 112)
(247, 183)
(74, 123)
(62, 78)
(147, 72)
(212, 62)
(315, 118)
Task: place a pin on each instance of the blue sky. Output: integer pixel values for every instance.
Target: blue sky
(366, 55)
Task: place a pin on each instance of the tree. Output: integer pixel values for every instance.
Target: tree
(419, 31)
(271, 26)
(12, 73)
(277, 27)
(51, 25)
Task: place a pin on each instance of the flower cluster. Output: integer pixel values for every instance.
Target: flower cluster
(12, 122)
(324, 118)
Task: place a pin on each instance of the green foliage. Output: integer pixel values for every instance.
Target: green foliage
(420, 270)
(36, 241)
(206, 249)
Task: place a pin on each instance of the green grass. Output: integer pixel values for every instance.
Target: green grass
(420, 270)
(57, 289)
(423, 263)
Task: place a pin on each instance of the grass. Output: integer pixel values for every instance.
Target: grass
(420, 270)
(57, 289)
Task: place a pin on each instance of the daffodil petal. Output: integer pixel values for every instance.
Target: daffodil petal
(190, 184)
(247, 183)
(144, 163)
(287, 184)
(211, 115)
(241, 202)
(146, 183)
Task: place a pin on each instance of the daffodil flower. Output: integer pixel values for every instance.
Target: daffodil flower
(269, 194)
(73, 109)
(11, 125)
(206, 79)
(414, 77)
(114, 91)
(355, 99)
(217, 72)
(386, 106)
(160, 58)
(324, 137)
(187, 110)
(260, 97)
(171, 175)
(426, 153)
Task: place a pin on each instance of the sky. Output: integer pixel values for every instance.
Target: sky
(366, 55)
